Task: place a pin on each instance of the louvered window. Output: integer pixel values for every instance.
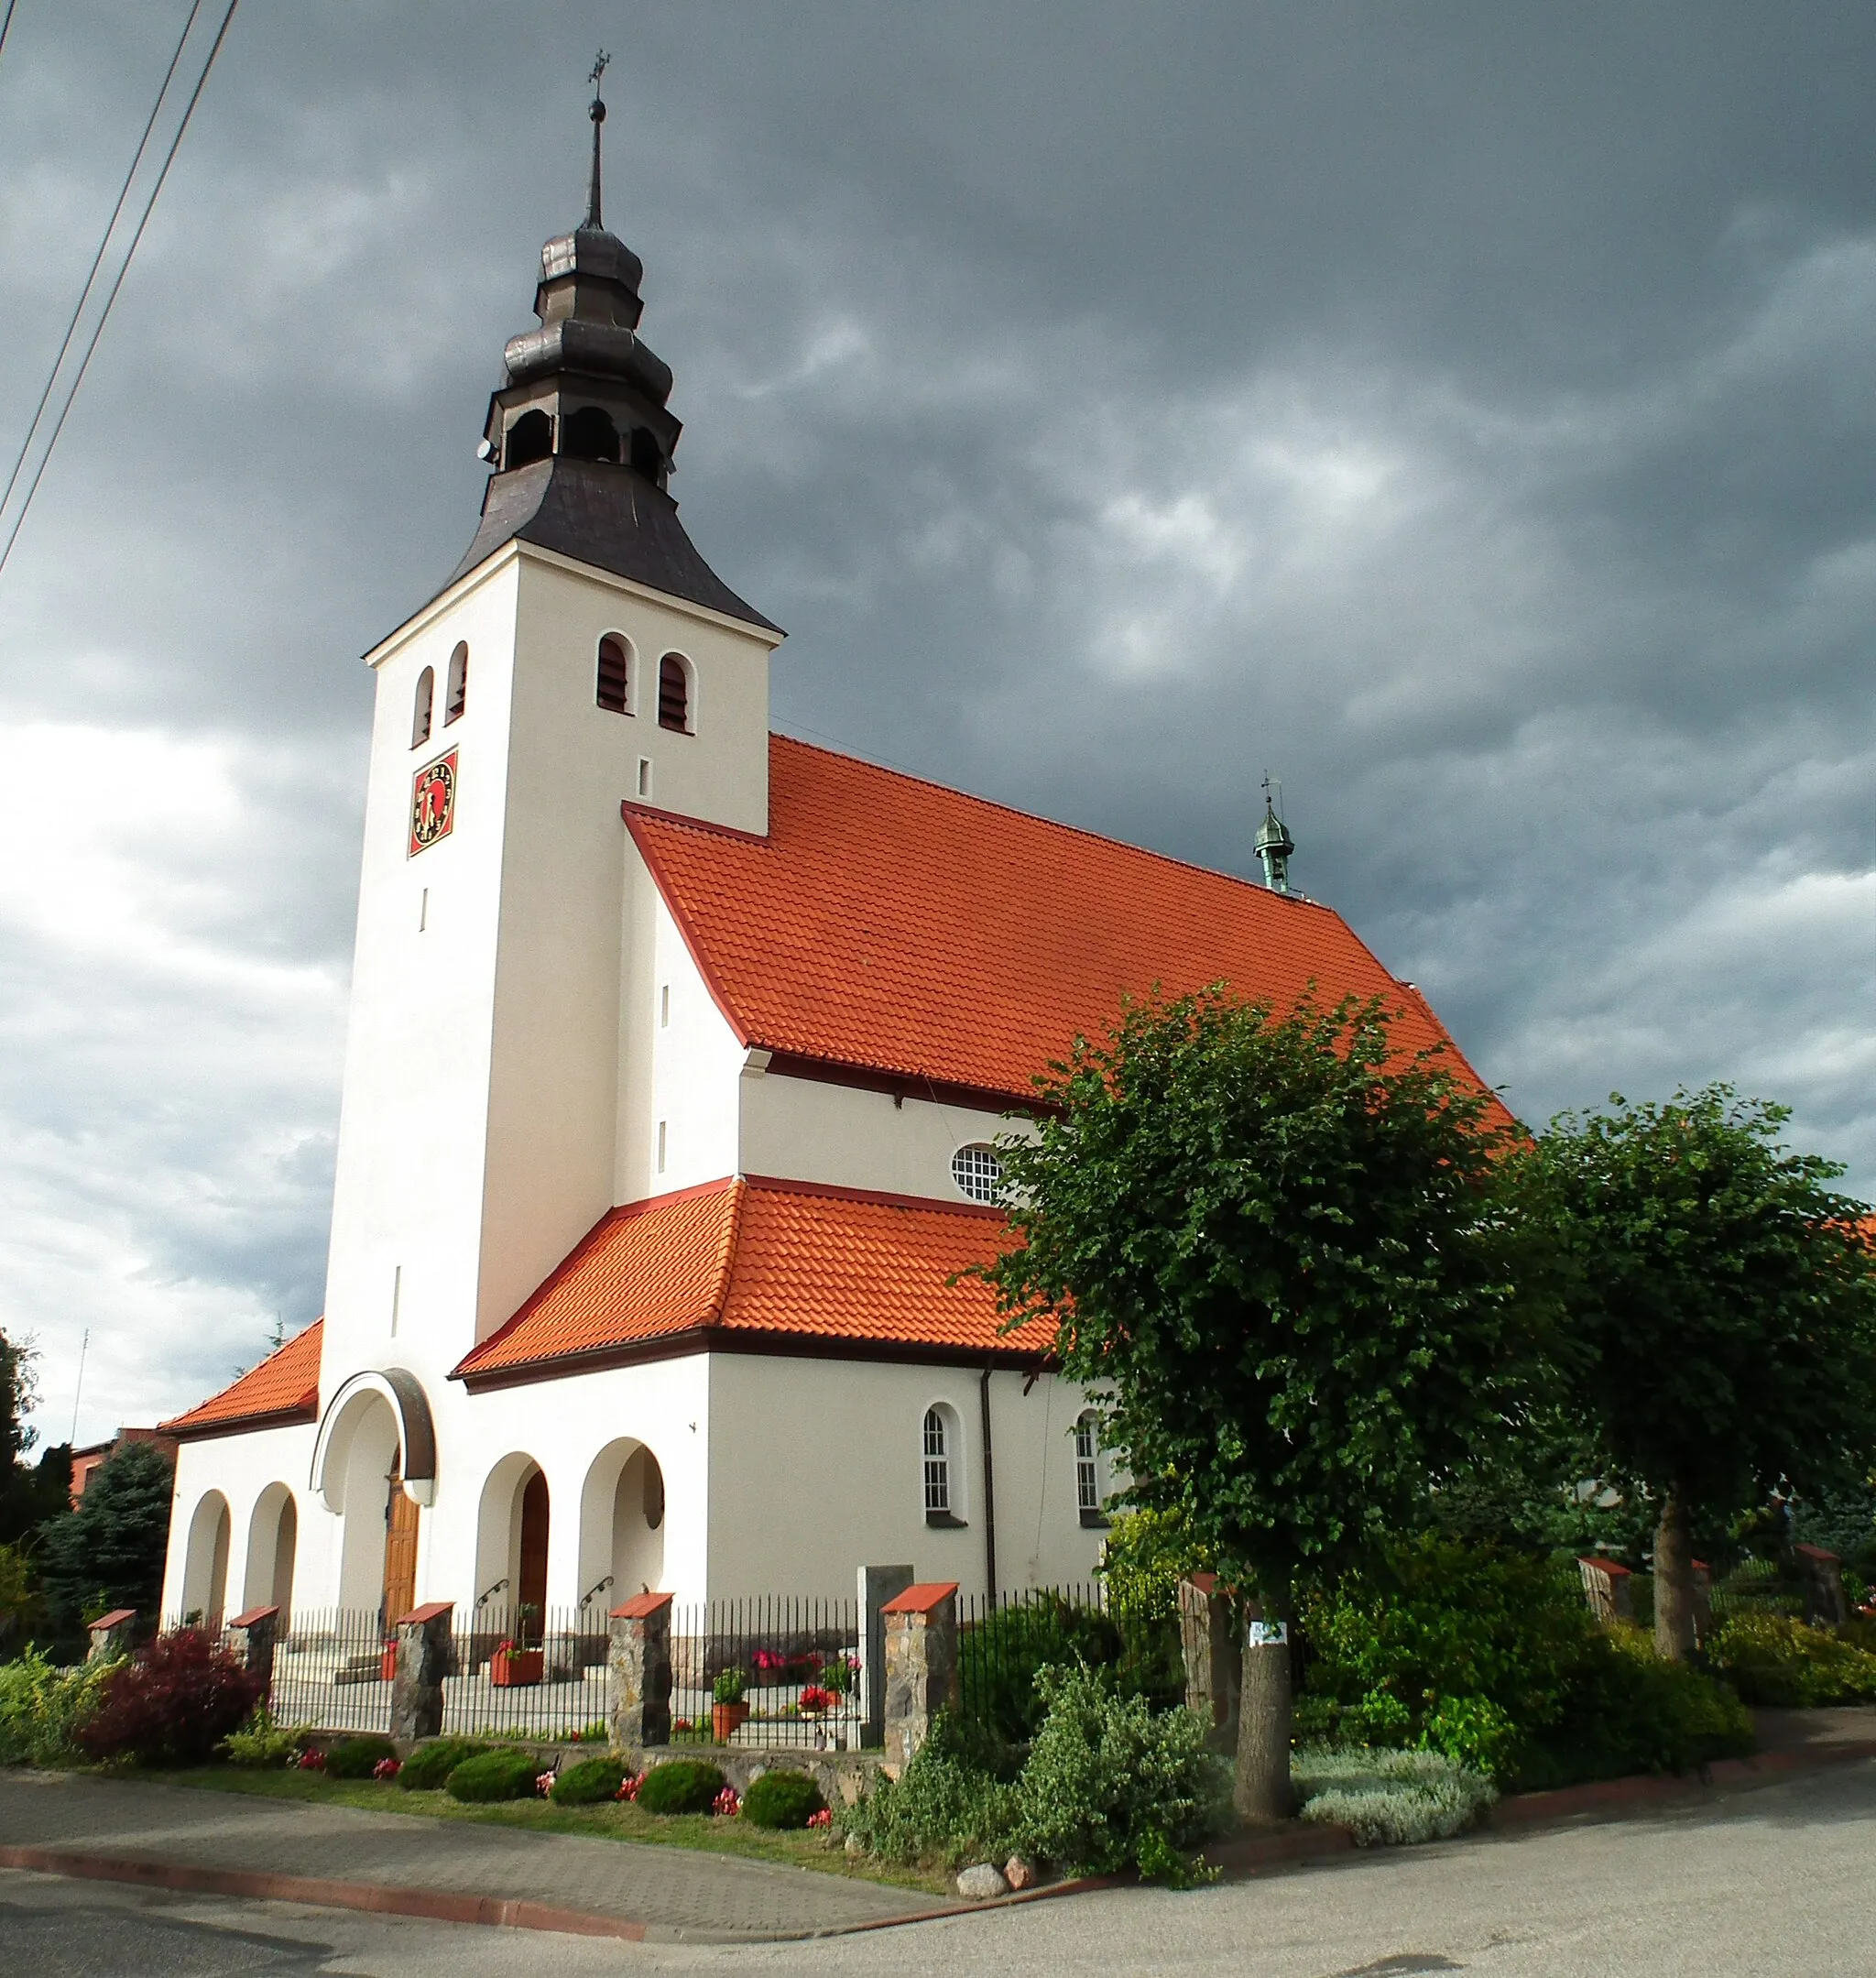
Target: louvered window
(459, 685)
(420, 710)
(673, 694)
(615, 686)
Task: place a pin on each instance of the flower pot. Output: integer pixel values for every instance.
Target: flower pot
(514, 1669)
(725, 1719)
(388, 1662)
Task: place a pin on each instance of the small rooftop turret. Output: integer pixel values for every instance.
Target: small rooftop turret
(1275, 847)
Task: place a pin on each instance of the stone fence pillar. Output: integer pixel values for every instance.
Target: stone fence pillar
(113, 1634)
(254, 1635)
(1606, 1588)
(1209, 1649)
(921, 1665)
(877, 1584)
(638, 1673)
(1822, 1571)
(424, 1660)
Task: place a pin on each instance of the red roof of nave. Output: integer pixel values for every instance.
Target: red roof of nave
(894, 925)
(284, 1387)
(751, 1258)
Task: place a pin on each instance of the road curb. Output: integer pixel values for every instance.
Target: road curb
(1615, 1796)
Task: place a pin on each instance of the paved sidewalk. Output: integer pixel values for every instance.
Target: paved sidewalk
(232, 1843)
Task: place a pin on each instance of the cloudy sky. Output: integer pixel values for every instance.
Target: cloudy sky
(1465, 412)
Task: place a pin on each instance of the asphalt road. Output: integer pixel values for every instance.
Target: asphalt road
(1772, 1880)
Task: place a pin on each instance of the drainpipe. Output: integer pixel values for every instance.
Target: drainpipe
(990, 1487)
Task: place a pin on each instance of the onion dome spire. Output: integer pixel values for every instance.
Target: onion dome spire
(598, 113)
(1274, 845)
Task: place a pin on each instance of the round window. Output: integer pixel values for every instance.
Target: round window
(978, 1172)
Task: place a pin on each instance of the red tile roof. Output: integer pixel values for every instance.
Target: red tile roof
(735, 1261)
(285, 1386)
(909, 930)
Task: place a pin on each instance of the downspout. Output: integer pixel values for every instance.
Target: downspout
(990, 1487)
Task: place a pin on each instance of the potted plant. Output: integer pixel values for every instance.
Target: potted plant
(514, 1668)
(728, 1712)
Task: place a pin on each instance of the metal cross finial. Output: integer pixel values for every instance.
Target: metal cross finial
(598, 113)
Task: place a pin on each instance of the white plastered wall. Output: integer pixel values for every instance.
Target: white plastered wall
(816, 1470)
(247, 1469)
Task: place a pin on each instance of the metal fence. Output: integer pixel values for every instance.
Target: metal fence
(526, 1673)
(770, 1670)
(332, 1669)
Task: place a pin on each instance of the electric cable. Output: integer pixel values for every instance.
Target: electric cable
(117, 282)
(6, 22)
(25, 446)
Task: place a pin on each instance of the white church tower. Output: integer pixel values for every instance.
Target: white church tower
(582, 651)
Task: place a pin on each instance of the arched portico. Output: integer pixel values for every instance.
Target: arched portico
(621, 1526)
(273, 1539)
(512, 1526)
(205, 1562)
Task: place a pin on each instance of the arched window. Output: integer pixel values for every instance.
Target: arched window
(529, 438)
(422, 707)
(937, 1466)
(674, 694)
(614, 688)
(458, 697)
(1087, 1467)
(977, 1173)
(647, 455)
(590, 434)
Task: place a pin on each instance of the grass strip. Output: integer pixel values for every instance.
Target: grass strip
(610, 1820)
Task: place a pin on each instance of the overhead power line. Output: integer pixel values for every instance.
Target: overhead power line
(123, 268)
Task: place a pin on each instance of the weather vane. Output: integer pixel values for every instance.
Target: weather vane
(598, 113)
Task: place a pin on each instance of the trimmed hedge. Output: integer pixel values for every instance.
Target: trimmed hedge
(357, 1758)
(586, 1783)
(782, 1799)
(431, 1765)
(504, 1774)
(681, 1786)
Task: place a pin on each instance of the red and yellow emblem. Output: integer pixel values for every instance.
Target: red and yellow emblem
(432, 802)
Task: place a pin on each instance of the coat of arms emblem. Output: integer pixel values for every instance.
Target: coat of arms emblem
(432, 802)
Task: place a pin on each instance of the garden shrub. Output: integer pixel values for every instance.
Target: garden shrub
(499, 1775)
(173, 1703)
(41, 1707)
(1771, 1658)
(262, 1742)
(946, 1805)
(357, 1758)
(1389, 1798)
(1491, 1657)
(681, 1786)
(586, 1782)
(428, 1768)
(998, 1658)
(1110, 1781)
(782, 1799)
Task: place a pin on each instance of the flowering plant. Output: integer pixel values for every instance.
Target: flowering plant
(683, 1723)
(507, 1648)
(312, 1761)
(726, 1806)
(767, 1662)
(386, 1768)
(630, 1785)
(543, 1782)
(824, 1819)
(815, 1697)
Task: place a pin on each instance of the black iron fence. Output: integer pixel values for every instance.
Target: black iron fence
(770, 1670)
(331, 1668)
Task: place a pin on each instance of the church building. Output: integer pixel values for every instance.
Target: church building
(679, 1054)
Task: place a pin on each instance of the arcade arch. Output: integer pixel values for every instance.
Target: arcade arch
(621, 1526)
(205, 1561)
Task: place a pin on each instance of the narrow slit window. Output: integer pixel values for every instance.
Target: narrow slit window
(397, 1296)
(645, 777)
(674, 693)
(422, 707)
(458, 697)
(423, 913)
(614, 692)
(663, 1137)
(664, 1007)
(937, 1466)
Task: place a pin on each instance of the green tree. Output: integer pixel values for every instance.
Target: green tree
(1723, 1298)
(110, 1547)
(30, 1492)
(1270, 1245)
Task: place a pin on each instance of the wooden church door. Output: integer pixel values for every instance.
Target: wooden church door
(532, 1586)
(400, 1551)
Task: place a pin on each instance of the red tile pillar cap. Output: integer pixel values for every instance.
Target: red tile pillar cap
(922, 1598)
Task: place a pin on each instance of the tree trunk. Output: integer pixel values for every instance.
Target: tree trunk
(1673, 1580)
(1260, 1791)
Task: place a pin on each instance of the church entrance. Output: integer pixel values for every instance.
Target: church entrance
(400, 1550)
(531, 1582)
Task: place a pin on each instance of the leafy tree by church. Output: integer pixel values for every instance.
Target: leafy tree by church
(108, 1552)
(1270, 1245)
(1721, 1296)
(30, 1492)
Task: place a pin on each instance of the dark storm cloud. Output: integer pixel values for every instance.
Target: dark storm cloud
(1465, 412)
